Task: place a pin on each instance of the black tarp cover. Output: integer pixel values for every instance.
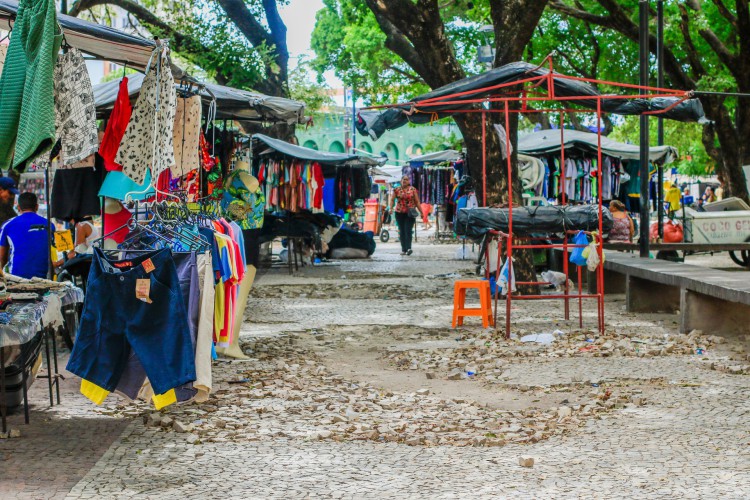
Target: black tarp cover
(264, 145)
(449, 155)
(548, 141)
(375, 123)
(231, 103)
(475, 222)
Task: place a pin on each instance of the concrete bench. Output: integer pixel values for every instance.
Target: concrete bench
(711, 300)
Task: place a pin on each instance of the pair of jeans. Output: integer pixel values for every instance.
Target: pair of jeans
(134, 375)
(405, 230)
(114, 321)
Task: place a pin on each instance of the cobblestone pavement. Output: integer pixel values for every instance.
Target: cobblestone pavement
(309, 415)
(59, 446)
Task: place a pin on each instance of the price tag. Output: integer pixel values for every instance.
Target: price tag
(148, 265)
(142, 290)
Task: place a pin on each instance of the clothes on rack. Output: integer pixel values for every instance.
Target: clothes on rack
(432, 182)
(291, 185)
(579, 178)
(133, 304)
(187, 129)
(27, 108)
(352, 184)
(239, 204)
(116, 126)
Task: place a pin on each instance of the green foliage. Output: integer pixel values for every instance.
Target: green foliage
(686, 137)
(348, 40)
(440, 142)
(116, 75)
(302, 87)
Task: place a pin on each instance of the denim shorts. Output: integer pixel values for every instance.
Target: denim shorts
(114, 321)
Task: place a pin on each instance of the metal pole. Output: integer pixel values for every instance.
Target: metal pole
(484, 160)
(660, 120)
(354, 121)
(50, 234)
(64, 7)
(643, 242)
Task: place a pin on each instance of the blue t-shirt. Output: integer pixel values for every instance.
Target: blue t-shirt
(26, 237)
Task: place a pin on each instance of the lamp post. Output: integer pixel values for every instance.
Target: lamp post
(643, 242)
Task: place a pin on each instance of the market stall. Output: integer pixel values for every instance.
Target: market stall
(299, 183)
(33, 312)
(437, 178)
(620, 166)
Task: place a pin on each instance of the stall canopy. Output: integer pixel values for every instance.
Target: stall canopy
(449, 155)
(264, 145)
(465, 94)
(548, 141)
(100, 41)
(231, 104)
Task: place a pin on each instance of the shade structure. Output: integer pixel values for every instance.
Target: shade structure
(264, 145)
(231, 103)
(548, 141)
(97, 40)
(449, 155)
(466, 94)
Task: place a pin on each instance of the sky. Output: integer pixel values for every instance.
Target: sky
(299, 17)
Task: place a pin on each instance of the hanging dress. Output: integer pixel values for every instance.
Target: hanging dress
(148, 141)
(116, 126)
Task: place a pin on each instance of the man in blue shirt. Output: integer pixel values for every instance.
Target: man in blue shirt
(25, 239)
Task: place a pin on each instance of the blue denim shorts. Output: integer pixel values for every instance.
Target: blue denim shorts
(114, 321)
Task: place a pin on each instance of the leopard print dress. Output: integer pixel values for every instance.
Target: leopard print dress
(148, 140)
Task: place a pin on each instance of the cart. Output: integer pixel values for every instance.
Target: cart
(725, 224)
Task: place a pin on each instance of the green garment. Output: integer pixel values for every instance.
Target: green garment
(27, 104)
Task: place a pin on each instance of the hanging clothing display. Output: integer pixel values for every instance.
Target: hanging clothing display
(433, 182)
(133, 304)
(291, 185)
(187, 129)
(27, 106)
(75, 114)
(148, 140)
(75, 192)
(352, 184)
(116, 126)
(240, 205)
(579, 178)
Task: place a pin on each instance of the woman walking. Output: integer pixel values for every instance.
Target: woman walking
(408, 199)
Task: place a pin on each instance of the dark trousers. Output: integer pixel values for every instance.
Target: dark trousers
(405, 230)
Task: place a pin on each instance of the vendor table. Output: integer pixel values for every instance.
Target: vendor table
(27, 320)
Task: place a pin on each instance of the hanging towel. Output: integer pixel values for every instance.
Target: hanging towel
(75, 114)
(147, 143)
(27, 106)
(187, 130)
(118, 122)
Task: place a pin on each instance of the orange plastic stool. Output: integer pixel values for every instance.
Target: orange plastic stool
(485, 302)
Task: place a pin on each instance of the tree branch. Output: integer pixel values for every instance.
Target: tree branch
(619, 20)
(724, 11)
(692, 53)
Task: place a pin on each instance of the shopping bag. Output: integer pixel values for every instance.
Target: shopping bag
(576, 256)
(592, 259)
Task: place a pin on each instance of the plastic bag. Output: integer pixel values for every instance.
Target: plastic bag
(554, 278)
(592, 259)
(576, 256)
(507, 276)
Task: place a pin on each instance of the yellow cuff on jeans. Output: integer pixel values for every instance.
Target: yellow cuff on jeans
(166, 399)
(92, 391)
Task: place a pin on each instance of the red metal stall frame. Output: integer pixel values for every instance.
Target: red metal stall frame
(522, 96)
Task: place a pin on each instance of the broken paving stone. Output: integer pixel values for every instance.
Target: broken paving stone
(423, 392)
(166, 421)
(193, 439)
(181, 427)
(456, 374)
(430, 375)
(14, 433)
(526, 461)
(564, 412)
